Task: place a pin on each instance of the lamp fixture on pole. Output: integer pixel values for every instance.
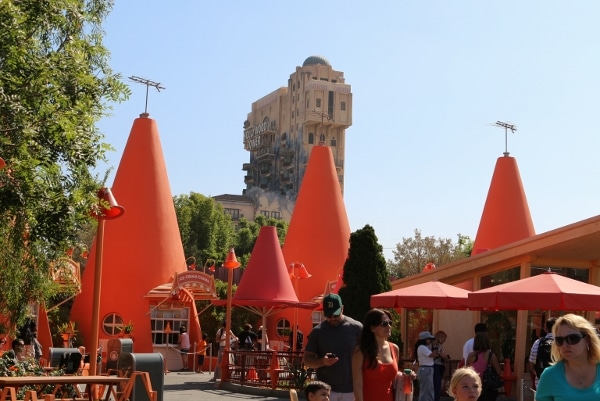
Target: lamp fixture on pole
(108, 209)
(230, 264)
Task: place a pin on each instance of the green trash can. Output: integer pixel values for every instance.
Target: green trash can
(153, 363)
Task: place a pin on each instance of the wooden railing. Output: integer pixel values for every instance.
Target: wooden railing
(271, 369)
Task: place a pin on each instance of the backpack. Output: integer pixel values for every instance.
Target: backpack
(543, 359)
(248, 343)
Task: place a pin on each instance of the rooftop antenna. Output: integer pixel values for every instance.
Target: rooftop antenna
(148, 84)
(507, 126)
(323, 116)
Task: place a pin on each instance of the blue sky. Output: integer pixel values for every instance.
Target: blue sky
(429, 79)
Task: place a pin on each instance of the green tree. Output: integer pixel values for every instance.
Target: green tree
(206, 231)
(247, 233)
(411, 256)
(365, 273)
(55, 84)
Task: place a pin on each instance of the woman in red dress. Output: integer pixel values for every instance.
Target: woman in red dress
(375, 360)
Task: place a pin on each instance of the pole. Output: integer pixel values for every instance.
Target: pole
(210, 357)
(295, 328)
(228, 312)
(96, 299)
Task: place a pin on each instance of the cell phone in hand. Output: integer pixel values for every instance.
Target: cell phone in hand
(330, 355)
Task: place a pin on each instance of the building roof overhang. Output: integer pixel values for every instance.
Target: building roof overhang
(574, 245)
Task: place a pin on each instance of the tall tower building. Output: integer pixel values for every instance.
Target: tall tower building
(314, 109)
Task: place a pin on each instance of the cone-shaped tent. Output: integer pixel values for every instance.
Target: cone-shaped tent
(266, 282)
(319, 233)
(142, 249)
(266, 285)
(505, 218)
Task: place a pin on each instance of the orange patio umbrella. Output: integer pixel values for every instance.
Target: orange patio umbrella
(547, 291)
(431, 295)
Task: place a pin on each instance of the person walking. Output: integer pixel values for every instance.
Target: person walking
(425, 356)
(541, 350)
(222, 338)
(202, 346)
(184, 346)
(468, 347)
(247, 338)
(330, 347)
(575, 375)
(375, 359)
(479, 359)
(439, 363)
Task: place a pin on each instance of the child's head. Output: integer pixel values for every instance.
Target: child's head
(317, 390)
(463, 382)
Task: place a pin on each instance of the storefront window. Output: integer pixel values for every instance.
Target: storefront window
(173, 318)
(417, 320)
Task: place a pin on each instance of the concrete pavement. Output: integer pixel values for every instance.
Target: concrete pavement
(182, 386)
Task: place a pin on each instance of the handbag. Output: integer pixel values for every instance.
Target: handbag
(490, 379)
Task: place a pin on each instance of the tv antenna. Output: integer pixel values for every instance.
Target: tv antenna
(323, 116)
(507, 126)
(148, 84)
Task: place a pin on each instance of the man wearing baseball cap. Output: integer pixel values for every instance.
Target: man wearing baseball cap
(330, 346)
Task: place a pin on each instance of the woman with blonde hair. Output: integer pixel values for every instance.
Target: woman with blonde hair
(575, 372)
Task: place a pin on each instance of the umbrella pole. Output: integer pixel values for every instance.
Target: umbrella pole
(263, 343)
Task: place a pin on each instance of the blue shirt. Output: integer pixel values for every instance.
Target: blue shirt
(553, 386)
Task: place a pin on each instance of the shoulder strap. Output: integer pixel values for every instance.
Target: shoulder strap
(393, 351)
(489, 358)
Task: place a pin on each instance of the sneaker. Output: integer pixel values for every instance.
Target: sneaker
(213, 380)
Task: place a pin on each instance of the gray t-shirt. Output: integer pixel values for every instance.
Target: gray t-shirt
(341, 341)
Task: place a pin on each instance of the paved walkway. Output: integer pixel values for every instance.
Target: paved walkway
(181, 386)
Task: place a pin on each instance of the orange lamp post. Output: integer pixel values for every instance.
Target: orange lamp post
(296, 271)
(108, 210)
(230, 264)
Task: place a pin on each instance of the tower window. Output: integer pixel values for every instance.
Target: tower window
(343, 106)
(311, 138)
(333, 142)
(318, 102)
(234, 213)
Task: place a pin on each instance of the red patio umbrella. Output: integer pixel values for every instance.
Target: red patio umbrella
(547, 291)
(432, 295)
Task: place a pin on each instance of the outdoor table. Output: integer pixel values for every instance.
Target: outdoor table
(41, 382)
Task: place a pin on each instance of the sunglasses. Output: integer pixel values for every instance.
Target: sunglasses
(386, 323)
(571, 339)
